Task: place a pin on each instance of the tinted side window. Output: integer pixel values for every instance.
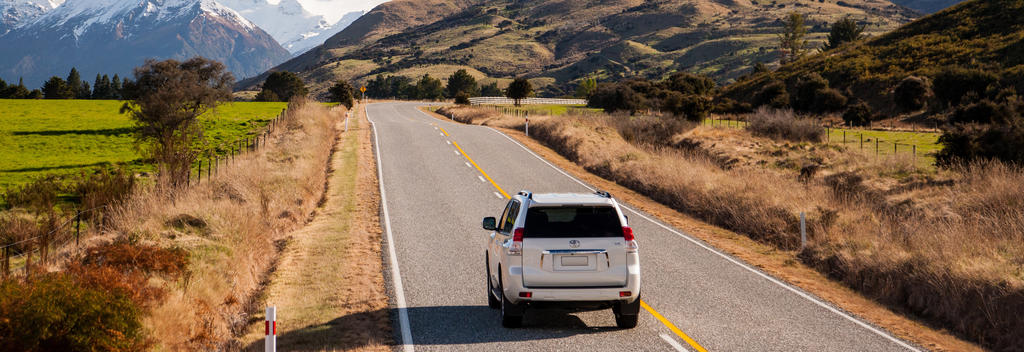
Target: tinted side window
(554, 222)
(510, 220)
(504, 213)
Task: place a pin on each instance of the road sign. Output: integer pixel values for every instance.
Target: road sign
(362, 89)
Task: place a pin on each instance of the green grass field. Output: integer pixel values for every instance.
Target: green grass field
(41, 137)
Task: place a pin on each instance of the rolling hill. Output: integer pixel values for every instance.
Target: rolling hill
(986, 35)
(556, 42)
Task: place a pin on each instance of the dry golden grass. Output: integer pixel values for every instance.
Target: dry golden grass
(947, 248)
(230, 228)
(329, 287)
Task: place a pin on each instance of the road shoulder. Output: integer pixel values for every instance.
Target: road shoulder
(329, 286)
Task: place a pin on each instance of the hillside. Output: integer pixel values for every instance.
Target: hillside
(927, 6)
(986, 35)
(498, 39)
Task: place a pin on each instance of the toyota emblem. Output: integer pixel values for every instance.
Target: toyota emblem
(574, 244)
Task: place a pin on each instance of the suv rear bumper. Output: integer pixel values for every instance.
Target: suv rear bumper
(514, 286)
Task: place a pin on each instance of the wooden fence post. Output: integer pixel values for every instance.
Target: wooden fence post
(861, 141)
(876, 147)
(78, 226)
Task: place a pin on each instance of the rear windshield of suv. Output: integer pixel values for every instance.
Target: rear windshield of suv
(576, 221)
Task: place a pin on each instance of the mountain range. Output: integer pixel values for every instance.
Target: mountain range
(49, 37)
(557, 42)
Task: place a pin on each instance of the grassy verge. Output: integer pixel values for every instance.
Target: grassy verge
(43, 137)
(912, 256)
(329, 286)
(232, 228)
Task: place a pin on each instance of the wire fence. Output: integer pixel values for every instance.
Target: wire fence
(212, 159)
(866, 141)
(21, 252)
(525, 101)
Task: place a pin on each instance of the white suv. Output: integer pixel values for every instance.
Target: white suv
(572, 251)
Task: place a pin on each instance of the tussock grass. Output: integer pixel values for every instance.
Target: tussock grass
(232, 229)
(784, 124)
(947, 250)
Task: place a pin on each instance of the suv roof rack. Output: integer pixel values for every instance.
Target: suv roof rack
(603, 194)
(525, 193)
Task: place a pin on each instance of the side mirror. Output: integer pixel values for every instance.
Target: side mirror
(490, 223)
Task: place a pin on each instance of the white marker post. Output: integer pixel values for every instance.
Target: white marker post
(271, 330)
(347, 115)
(803, 230)
(527, 125)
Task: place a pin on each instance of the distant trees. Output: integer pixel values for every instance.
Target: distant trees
(791, 40)
(18, 91)
(586, 88)
(953, 84)
(165, 101)
(429, 88)
(343, 93)
(491, 90)
(682, 94)
(57, 88)
(282, 86)
(773, 94)
(814, 95)
(519, 89)
(844, 31)
(104, 88)
(858, 115)
(462, 82)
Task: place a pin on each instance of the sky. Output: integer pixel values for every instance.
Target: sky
(332, 10)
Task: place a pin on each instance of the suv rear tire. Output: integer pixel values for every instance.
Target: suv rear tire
(511, 314)
(492, 302)
(627, 314)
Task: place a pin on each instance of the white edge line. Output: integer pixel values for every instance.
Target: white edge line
(672, 342)
(727, 257)
(403, 313)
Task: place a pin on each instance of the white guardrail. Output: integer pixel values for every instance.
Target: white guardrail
(527, 101)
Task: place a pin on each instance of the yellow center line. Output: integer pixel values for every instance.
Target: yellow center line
(696, 346)
(481, 170)
(445, 132)
(673, 327)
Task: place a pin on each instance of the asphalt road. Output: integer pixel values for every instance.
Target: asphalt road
(435, 199)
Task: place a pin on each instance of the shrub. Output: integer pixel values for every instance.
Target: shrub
(615, 97)
(723, 105)
(343, 93)
(984, 111)
(284, 85)
(53, 312)
(828, 100)
(104, 187)
(783, 124)
(689, 84)
(773, 94)
(462, 98)
(39, 195)
(858, 114)
(647, 130)
(691, 107)
(912, 93)
(965, 143)
(807, 87)
(953, 84)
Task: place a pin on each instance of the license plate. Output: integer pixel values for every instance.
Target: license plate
(575, 261)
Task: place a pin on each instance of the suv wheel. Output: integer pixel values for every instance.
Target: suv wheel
(627, 314)
(492, 301)
(511, 314)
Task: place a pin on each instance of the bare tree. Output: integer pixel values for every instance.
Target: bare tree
(165, 101)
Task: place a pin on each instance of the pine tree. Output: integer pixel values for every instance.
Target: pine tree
(844, 31)
(791, 40)
(97, 87)
(74, 82)
(116, 90)
(56, 88)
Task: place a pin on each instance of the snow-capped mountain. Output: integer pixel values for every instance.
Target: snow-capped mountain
(290, 23)
(16, 12)
(114, 36)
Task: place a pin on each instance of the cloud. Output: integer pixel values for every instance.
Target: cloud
(332, 10)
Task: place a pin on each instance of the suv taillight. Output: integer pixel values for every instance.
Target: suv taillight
(627, 234)
(516, 248)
